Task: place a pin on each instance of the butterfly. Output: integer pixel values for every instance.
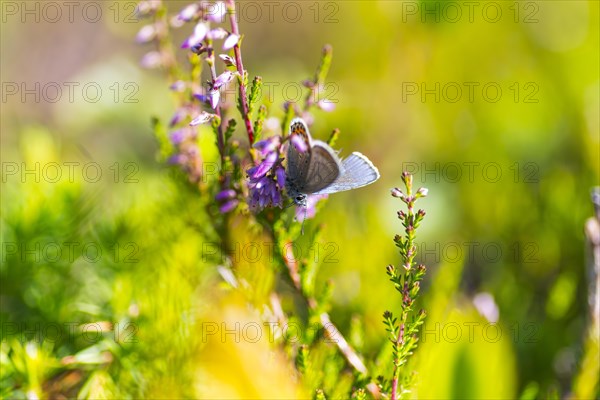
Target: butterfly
(319, 170)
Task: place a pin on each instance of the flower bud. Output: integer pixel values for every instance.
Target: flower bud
(397, 193)
(390, 269)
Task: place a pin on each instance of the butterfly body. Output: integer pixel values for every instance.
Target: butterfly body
(319, 170)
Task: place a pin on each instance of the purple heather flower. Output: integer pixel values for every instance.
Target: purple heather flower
(223, 79)
(308, 118)
(175, 22)
(228, 206)
(147, 6)
(308, 83)
(267, 179)
(299, 143)
(178, 86)
(189, 159)
(146, 34)
(264, 192)
(326, 105)
(215, 12)
(217, 34)
(201, 97)
(200, 31)
(265, 166)
(177, 159)
(227, 200)
(311, 203)
(226, 194)
(151, 60)
(202, 118)
(188, 13)
(178, 116)
(213, 98)
(228, 60)
(231, 41)
(180, 135)
(267, 146)
(280, 174)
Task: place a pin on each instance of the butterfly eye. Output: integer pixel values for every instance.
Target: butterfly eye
(298, 198)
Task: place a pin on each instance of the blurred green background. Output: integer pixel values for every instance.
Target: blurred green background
(494, 106)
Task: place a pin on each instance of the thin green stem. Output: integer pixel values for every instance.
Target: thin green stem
(210, 59)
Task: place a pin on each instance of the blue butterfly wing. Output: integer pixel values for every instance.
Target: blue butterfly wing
(324, 168)
(357, 171)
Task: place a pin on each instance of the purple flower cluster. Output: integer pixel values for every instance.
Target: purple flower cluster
(267, 179)
(227, 200)
(184, 140)
(187, 156)
(202, 105)
(200, 41)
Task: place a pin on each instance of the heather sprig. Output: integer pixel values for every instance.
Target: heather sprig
(403, 327)
(202, 104)
(316, 85)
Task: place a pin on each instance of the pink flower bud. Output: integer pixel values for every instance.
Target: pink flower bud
(422, 192)
(397, 193)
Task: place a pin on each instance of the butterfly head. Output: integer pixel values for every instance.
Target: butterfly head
(300, 199)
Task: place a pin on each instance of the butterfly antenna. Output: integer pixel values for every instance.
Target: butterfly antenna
(302, 229)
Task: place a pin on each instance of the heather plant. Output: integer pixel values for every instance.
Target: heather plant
(250, 185)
